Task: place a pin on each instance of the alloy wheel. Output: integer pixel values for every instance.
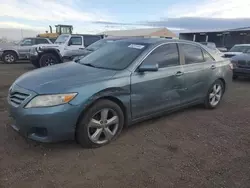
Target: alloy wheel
(215, 95)
(9, 58)
(103, 126)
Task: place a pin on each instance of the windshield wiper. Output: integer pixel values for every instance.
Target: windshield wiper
(90, 65)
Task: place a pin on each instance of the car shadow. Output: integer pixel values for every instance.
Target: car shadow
(72, 145)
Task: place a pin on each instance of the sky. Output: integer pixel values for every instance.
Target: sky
(94, 16)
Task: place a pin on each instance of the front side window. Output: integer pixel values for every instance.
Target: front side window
(166, 55)
(192, 54)
(115, 55)
(26, 42)
(76, 41)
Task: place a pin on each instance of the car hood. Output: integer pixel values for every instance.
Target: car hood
(245, 57)
(62, 77)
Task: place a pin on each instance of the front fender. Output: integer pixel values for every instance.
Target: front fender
(50, 50)
(119, 89)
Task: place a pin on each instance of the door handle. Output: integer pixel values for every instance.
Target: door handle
(213, 67)
(179, 73)
(81, 48)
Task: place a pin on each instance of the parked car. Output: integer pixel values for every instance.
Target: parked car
(241, 65)
(213, 47)
(20, 51)
(237, 50)
(65, 46)
(126, 81)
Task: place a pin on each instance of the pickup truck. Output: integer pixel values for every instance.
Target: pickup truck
(20, 51)
(65, 46)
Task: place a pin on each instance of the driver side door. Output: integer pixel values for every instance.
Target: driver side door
(153, 92)
(75, 44)
(25, 47)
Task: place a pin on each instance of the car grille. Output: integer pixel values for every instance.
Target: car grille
(16, 98)
(243, 63)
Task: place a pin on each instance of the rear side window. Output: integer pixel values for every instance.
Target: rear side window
(42, 41)
(207, 56)
(192, 53)
(88, 40)
(166, 56)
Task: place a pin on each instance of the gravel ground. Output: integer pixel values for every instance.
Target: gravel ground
(191, 148)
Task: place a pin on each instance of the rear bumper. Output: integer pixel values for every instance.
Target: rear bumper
(241, 72)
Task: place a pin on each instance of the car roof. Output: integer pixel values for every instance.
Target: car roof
(155, 41)
(242, 45)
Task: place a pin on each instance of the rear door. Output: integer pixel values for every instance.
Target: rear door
(153, 92)
(193, 72)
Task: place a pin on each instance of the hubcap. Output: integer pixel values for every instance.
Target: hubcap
(103, 126)
(49, 61)
(215, 95)
(9, 58)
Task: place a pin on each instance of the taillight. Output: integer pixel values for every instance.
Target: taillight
(231, 66)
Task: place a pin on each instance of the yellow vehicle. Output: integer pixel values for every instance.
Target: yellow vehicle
(60, 29)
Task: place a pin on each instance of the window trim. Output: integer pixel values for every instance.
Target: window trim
(148, 53)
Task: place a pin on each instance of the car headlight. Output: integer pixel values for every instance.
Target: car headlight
(50, 100)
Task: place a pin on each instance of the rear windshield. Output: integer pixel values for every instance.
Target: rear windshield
(243, 49)
(115, 55)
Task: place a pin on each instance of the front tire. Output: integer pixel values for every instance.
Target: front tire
(48, 59)
(214, 95)
(9, 57)
(100, 124)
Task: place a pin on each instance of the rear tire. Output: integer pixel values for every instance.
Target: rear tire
(214, 95)
(48, 59)
(99, 133)
(9, 57)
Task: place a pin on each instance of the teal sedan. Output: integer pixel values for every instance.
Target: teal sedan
(125, 82)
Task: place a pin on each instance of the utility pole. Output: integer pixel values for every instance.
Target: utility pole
(22, 33)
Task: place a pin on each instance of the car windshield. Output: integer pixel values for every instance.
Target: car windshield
(98, 44)
(244, 49)
(61, 39)
(115, 55)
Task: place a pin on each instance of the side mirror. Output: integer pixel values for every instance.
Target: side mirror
(148, 68)
(70, 43)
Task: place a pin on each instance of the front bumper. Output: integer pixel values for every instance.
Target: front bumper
(47, 124)
(241, 72)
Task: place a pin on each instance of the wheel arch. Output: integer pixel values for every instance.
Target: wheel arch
(51, 51)
(224, 83)
(13, 51)
(106, 97)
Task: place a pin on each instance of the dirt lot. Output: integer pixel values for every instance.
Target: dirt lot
(191, 148)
